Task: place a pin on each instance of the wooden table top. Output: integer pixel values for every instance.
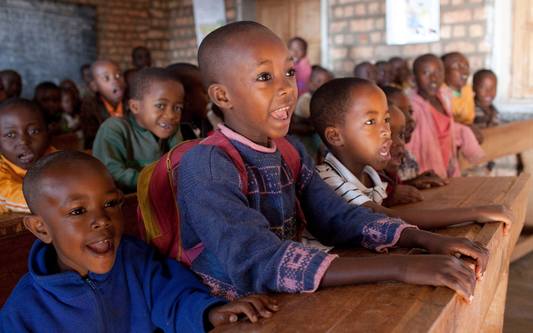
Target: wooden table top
(399, 307)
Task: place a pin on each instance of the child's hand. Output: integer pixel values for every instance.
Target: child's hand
(438, 244)
(495, 213)
(252, 306)
(427, 179)
(441, 270)
(403, 194)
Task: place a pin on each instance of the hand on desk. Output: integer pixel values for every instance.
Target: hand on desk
(495, 213)
(403, 194)
(252, 306)
(426, 180)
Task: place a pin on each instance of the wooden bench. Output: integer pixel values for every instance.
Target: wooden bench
(399, 307)
(511, 139)
(16, 242)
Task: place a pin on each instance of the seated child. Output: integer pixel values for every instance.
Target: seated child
(436, 136)
(141, 58)
(3, 93)
(24, 139)
(301, 127)
(384, 73)
(352, 117)
(48, 97)
(408, 171)
(12, 83)
(298, 50)
(457, 71)
(194, 121)
(84, 87)
(251, 241)
(400, 73)
(70, 85)
(70, 116)
(485, 83)
(86, 276)
(127, 145)
(108, 85)
(366, 70)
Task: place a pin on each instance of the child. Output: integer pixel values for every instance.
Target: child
(251, 241)
(84, 89)
(298, 50)
(23, 140)
(356, 129)
(108, 85)
(48, 97)
(86, 276)
(408, 171)
(12, 83)
(194, 121)
(436, 136)
(141, 58)
(384, 70)
(3, 93)
(301, 127)
(127, 145)
(366, 70)
(457, 71)
(485, 83)
(400, 73)
(70, 116)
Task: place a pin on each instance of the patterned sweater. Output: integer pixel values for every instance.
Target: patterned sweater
(250, 241)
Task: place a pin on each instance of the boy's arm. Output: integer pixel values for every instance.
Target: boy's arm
(110, 148)
(11, 197)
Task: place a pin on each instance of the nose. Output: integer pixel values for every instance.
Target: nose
(101, 220)
(287, 85)
(385, 130)
(24, 139)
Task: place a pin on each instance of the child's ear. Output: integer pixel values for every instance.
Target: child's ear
(219, 96)
(134, 105)
(333, 136)
(35, 224)
(93, 86)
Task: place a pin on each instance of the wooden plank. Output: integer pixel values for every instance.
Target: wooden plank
(399, 307)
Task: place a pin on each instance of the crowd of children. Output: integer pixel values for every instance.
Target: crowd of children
(256, 207)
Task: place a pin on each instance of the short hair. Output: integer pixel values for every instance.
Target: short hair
(44, 86)
(318, 69)
(143, 80)
(479, 74)
(32, 187)
(300, 39)
(450, 55)
(137, 49)
(391, 90)
(423, 58)
(359, 66)
(213, 53)
(331, 101)
(97, 62)
(185, 72)
(9, 72)
(19, 101)
(381, 62)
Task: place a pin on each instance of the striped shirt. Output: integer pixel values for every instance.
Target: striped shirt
(339, 178)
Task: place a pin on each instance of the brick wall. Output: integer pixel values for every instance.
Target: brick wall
(183, 44)
(357, 33)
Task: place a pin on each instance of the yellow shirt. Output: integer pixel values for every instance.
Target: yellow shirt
(11, 176)
(463, 108)
(114, 112)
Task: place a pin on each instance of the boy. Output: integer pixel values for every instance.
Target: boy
(23, 140)
(141, 58)
(457, 71)
(86, 276)
(485, 84)
(250, 241)
(12, 83)
(3, 93)
(400, 73)
(298, 50)
(48, 97)
(384, 73)
(356, 130)
(84, 89)
(127, 145)
(366, 70)
(194, 121)
(70, 116)
(107, 83)
(436, 137)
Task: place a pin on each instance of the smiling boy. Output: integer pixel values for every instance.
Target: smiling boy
(23, 140)
(127, 145)
(86, 276)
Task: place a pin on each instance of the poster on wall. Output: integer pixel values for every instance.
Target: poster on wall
(413, 21)
(209, 15)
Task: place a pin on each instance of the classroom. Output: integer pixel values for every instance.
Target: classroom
(266, 165)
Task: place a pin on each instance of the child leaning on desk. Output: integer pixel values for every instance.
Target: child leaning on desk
(251, 240)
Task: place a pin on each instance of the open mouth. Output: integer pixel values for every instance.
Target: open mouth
(396, 159)
(384, 150)
(433, 85)
(167, 127)
(281, 113)
(117, 92)
(102, 248)
(26, 157)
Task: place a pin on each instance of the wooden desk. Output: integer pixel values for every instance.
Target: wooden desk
(16, 242)
(400, 307)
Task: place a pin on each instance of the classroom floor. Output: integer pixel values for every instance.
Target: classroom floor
(519, 303)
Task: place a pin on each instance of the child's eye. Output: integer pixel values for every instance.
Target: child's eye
(34, 131)
(426, 73)
(77, 211)
(387, 120)
(401, 134)
(439, 73)
(410, 112)
(106, 78)
(291, 72)
(117, 76)
(264, 77)
(370, 122)
(160, 106)
(112, 203)
(9, 135)
(178, 108)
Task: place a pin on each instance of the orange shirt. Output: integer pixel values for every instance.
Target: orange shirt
(114, 112)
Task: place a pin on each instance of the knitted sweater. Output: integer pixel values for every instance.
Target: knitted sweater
(144, 290)
(250, 241)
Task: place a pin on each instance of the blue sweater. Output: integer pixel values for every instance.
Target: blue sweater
(249, 240)
(144, 290)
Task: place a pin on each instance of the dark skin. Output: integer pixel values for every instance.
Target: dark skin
(83, 221)
(485, 89)
(429, 76)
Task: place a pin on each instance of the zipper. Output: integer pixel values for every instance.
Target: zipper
(103, 321)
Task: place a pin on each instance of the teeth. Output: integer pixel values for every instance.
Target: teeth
(383, 154)
(104, 241)
(167, 126)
